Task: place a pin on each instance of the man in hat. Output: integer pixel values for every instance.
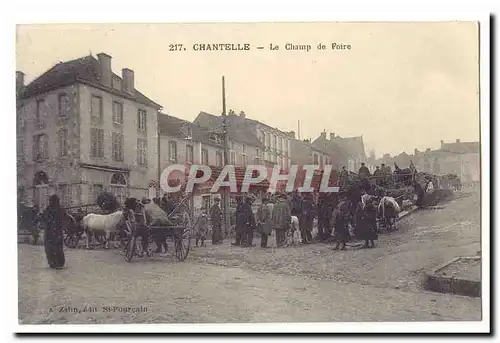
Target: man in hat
(216, 219)
(239, 221)
(281, 219)
(249, 221)
(342, 219)
(344, 176)
(306, 218)
(264, 223)
(364, 172)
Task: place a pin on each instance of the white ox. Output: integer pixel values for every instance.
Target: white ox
(107, 223)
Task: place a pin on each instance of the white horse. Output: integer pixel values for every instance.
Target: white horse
(107, 223)
(388, 209)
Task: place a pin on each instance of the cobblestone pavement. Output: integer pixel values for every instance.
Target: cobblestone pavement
(226, 284)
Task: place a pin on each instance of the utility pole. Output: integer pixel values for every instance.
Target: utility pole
(225, 193)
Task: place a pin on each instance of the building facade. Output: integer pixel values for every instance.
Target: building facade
(82, 130)
(304, 153)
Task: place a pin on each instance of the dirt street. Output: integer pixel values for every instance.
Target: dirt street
(226, 284)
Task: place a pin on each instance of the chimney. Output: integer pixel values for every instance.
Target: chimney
(458, 140)
(243, 114)
(442, 144)
(323, 135)
(415, 152)
(428, 150)
(19, 81)
(231, 112)
(292, 134)
(128, 80)
(105, 69)
(332, 136)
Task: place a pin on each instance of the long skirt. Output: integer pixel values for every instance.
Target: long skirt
(54, 252)
(367, 229)
(341, 233)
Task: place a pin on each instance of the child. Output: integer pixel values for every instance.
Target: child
(201, 229)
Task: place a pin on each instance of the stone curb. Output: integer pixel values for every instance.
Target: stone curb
(442, 284)
(406, 213)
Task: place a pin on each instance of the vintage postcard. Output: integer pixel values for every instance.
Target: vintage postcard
(251, 173)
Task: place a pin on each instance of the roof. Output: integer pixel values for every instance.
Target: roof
(179, 128)
(305, 147)
(238, 130)
(354, 146)
(82, 70)
(461, 147)
(326, 145)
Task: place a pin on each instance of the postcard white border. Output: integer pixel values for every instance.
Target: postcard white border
(127, 11)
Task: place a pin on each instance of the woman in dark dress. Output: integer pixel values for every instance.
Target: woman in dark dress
(53, 238)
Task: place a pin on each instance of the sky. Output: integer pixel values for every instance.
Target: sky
(401, 85)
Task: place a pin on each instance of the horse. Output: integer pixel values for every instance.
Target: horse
(107, 223)
(387, 211)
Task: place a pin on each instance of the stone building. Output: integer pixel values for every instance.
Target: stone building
(82, 129)
(304, 153)
(273, 147)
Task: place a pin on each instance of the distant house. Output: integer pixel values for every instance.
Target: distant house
(460, 158)
(273, 145)
(349, 152)
(304, 153)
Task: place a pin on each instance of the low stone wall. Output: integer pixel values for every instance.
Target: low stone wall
(437, 281)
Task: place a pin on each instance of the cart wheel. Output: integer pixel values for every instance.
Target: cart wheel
(129, 253)
(183, 244)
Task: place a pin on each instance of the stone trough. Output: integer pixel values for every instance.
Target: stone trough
(461, 276)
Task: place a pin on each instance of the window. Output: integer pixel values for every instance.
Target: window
(64, 193)
(118, 187)
(233, 158)
(282, 162)
(117, 113)
(117, 146)
(189, 154)
(268, 140)
(219, 160)
(97, 142)
(142, 151)
(286, 147)
(40, 147)
(315, 159)
(64, 105)
(243, 148)
(214, 137)
(141, 120)
(22, 121)
(40, 114)
(20, 150)
(280, 146)
(172, 151)
(204, 157)
(285, 164)
(257, 157)
(62, 142)
(275, 142)
(262, 136)
(96, 108)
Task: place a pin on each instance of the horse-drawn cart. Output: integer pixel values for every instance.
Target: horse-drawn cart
(177, 229)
